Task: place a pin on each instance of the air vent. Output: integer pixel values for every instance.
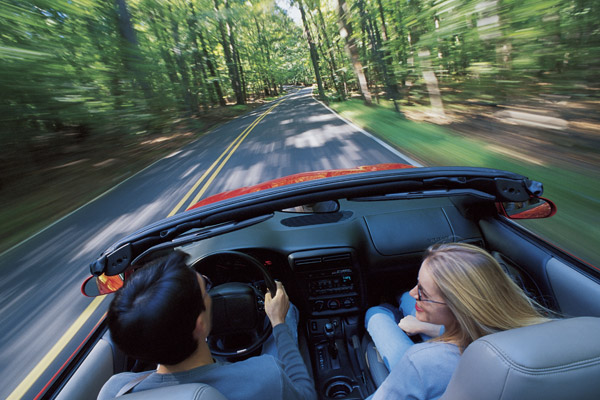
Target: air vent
(328, 261)
(337, 258)
(316, 219)
(308, 261)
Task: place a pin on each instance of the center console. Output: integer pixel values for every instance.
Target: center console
(333, 300)
(329, 279)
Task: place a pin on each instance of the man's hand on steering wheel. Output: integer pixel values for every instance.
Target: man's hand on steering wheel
(277, 307)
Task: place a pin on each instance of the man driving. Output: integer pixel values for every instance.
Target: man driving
(162, 315)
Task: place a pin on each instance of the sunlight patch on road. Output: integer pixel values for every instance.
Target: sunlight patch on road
(313, 138)
(189, 171)
(321, 118)
(122, 226)
(173, 154)
(240, 176)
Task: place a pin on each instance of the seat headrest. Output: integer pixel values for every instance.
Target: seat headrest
(188, 391)
(554, 360)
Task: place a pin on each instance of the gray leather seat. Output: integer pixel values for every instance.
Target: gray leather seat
(188, 391)
(550, 361)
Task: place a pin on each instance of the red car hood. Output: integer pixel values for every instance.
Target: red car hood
(296, 178)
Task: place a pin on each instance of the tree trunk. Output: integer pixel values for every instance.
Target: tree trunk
(350, 45)
(264, 50)
(165, 54)
(211, 70)
(378, 55)
(241, 96)
(435, 97)
(241, 72)
(229, 60)
(208, 91)
(340, 54)
(337, 82)
(130, 52)
(314, 56)
(388, 68)
(190, 101)
(382, 16)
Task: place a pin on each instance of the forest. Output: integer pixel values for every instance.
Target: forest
(73, 69)
(109, 74)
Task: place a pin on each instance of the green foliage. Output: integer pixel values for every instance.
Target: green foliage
(83, 67)
(505, 49)
(73, 70)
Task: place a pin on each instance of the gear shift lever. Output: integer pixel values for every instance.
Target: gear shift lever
(330, 334)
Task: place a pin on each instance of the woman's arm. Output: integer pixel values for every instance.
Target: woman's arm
(412, 326)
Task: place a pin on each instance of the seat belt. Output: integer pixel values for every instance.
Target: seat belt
(133, 383)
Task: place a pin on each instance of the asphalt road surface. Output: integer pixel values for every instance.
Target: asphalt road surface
(44, 316)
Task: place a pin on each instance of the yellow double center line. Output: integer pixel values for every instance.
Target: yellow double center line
(221, 161)
(217, 166)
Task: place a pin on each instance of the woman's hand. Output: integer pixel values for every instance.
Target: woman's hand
(412, 326)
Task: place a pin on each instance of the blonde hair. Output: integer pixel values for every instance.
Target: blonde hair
(481, 296)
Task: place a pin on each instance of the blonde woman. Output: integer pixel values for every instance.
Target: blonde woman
(462, 288)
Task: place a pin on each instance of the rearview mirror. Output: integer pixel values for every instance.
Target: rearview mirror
(327, 206)
(99, 285)
(535, 207)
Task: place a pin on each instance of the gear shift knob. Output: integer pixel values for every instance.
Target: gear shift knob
(329, 330)
(330, 334)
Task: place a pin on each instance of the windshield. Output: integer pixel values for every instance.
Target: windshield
(118, 114)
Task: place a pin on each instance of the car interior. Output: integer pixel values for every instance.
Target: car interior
(366, 250)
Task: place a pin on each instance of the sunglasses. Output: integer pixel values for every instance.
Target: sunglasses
(420, 296)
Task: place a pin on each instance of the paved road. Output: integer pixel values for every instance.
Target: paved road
(42, 312)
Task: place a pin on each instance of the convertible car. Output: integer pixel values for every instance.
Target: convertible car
(344, 240)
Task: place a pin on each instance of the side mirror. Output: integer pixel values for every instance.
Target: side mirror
(99, 285)
(534, 208)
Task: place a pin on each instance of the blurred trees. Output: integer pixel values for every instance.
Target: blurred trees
(430, 51)
(71, 70)
(74, 69)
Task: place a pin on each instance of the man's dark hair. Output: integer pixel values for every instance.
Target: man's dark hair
(153, 316)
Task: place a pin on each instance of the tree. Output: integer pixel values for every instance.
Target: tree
(230, 55)
(314, 56)
(351, 49)
(130, 51)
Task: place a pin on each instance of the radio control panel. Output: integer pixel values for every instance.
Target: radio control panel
(330, 281)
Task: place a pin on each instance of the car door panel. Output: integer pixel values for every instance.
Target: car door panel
(521, 250)
(576, 293)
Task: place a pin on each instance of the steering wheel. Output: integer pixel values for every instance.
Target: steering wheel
(237, 310)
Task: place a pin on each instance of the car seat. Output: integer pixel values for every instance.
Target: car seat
(550, 361)
(555, 360)
(188, 391)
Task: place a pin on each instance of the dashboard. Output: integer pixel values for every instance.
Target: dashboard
(327, 261)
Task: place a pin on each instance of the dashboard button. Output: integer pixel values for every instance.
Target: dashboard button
(318, 305)
(333, 304)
